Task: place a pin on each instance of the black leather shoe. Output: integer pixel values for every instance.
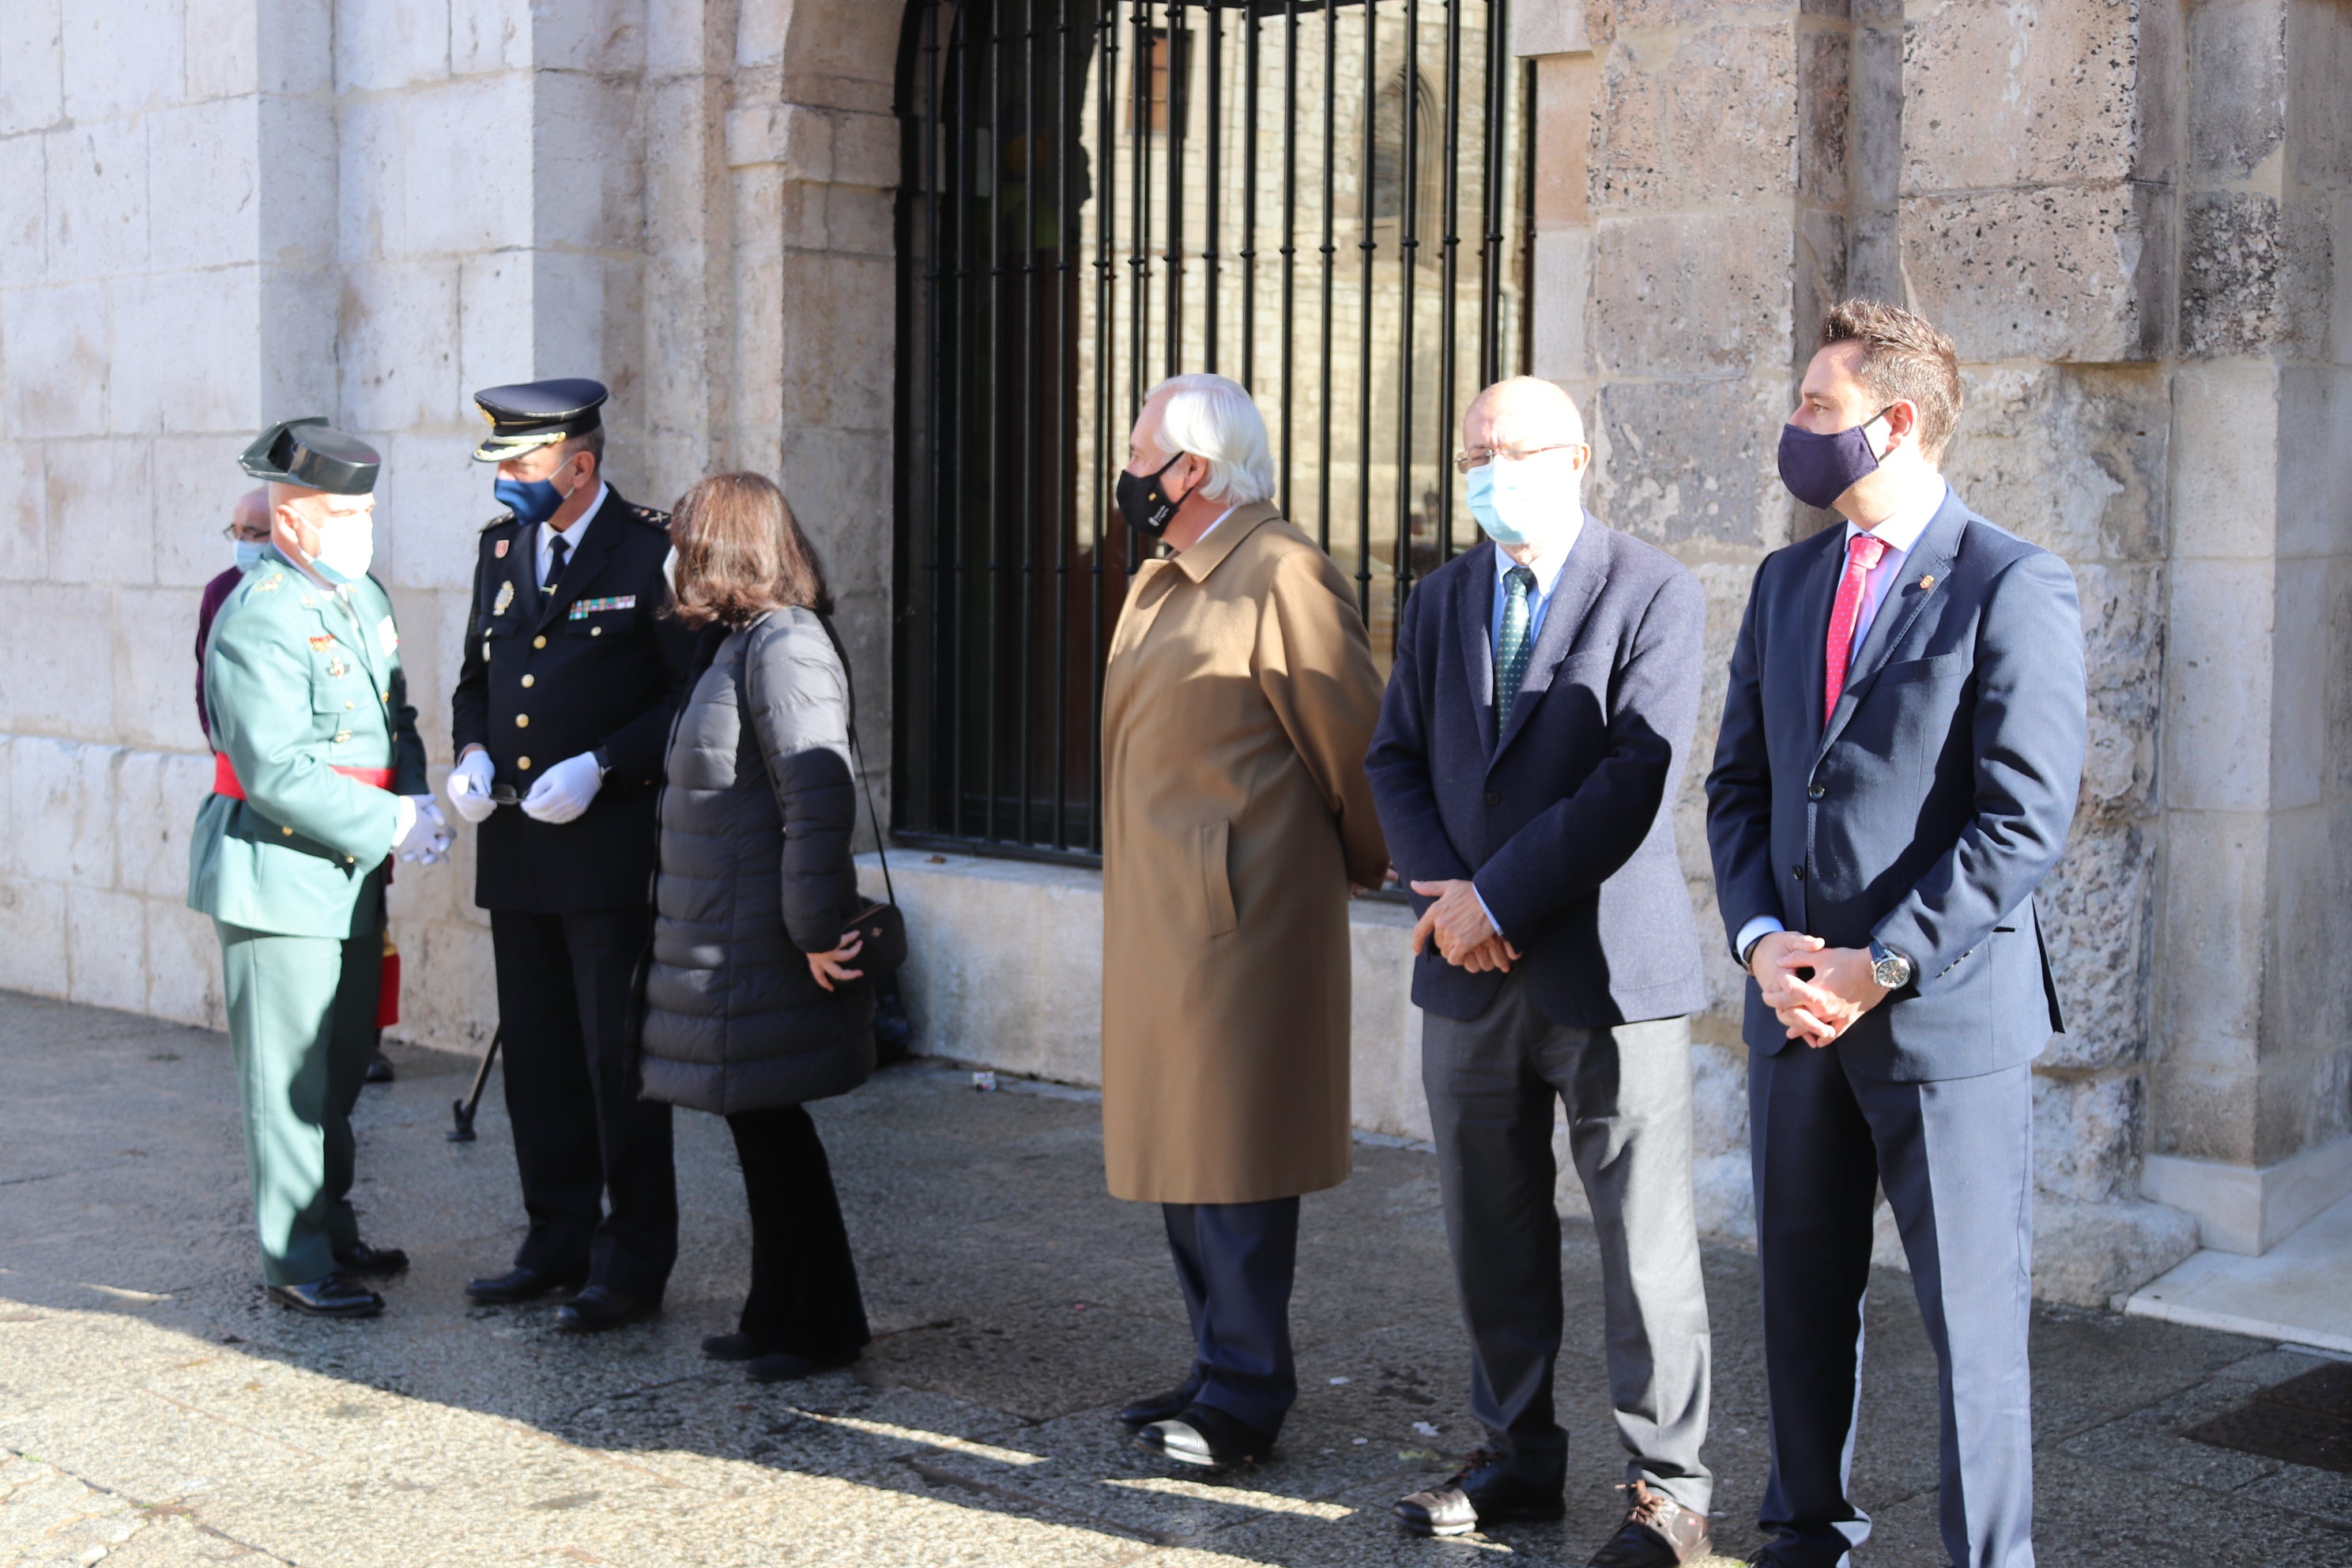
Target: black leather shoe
(333, 1296)
(600, 1307)
(1484, 1493)
(361, 1259)
(1658, 1532)
(1206, 1437)
(379, 1067)
(1165, 1407)
(736, 1346)
(519, 1284)
(783, 1366)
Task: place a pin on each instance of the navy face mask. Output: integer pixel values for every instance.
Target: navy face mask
(532, 500)
(1819, 469)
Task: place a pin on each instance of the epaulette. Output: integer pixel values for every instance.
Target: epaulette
(648, 515)
(502, 518)
(269, 585)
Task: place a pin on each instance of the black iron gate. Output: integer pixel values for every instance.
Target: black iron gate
(1098, 194)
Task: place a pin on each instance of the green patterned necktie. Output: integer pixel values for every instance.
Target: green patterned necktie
(1511, 649)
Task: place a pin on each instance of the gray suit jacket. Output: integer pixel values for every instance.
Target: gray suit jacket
(1933, 802)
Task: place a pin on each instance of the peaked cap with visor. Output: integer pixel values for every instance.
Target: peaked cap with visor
(531, 414)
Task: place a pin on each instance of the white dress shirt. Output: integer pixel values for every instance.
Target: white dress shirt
(545, 543)
(1900, 534)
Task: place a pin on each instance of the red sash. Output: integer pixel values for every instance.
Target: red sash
(225, 777)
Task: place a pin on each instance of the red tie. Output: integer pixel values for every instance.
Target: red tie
(1863, 552)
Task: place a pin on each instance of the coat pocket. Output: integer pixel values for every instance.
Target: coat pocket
(1216, 881)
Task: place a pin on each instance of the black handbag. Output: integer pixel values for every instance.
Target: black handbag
(881, 928)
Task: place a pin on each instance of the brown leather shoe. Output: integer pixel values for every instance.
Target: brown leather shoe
(1658, 1532)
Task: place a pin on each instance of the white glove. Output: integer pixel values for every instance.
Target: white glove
(564, 792)
(424, 832)
(468, 786)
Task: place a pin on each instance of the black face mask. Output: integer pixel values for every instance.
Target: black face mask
(1143, 503)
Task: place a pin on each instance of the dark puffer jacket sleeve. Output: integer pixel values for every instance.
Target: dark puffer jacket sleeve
(800, 715)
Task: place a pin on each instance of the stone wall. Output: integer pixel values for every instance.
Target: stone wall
(218, 213)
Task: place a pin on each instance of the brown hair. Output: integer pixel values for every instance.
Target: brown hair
(740, 554)
(1903, 359)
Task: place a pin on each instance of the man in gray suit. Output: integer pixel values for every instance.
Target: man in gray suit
(1902, 740)
(1537, 720)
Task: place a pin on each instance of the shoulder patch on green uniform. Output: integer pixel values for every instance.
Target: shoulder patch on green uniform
(271, 583)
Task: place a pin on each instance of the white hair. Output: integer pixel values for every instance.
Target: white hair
(1214, 419)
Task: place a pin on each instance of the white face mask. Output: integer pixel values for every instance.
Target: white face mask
(346, 547)
(1526, 500)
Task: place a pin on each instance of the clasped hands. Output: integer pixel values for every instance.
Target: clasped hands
(1464, 936)
(1842, 988)
(560, 795)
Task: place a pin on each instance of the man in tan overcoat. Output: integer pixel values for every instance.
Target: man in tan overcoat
(1238, 703)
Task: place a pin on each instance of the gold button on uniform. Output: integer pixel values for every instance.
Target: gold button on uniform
(522, 720)
(530, 679)
(524, 762)
(288, 831)
(595, 631)
(539, 642)
(347, 704)
(342, 735)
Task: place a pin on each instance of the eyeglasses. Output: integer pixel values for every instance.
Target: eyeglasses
(229, 531)
(1465, 461)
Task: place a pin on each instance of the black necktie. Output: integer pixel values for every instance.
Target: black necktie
(556, 551)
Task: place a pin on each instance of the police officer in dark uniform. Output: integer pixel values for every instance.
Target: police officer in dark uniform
(570, 679)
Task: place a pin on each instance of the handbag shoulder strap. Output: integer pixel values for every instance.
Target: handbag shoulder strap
(858, 755)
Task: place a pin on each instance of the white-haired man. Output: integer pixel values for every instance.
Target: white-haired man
(1239, 699)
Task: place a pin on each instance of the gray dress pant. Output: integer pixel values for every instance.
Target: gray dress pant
(1492, 1082)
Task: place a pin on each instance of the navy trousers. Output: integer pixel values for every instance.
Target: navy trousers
(1956, 1157)
(1234, 1263)
(580, 1134)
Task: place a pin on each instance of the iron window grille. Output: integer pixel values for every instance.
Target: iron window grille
(1099, 194)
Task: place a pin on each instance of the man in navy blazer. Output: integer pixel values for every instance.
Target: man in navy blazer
(1902, 742)
(1537, 721)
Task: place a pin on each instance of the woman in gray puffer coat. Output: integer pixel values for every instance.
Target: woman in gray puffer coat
(752, 1008)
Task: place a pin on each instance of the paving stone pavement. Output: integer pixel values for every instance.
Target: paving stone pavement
(156, 1409)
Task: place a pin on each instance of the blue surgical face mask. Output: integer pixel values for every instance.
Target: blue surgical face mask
(1526, 501)
(248, 552)
(346, 548)
(532, 500)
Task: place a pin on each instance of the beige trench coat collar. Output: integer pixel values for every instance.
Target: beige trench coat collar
(1206, 556)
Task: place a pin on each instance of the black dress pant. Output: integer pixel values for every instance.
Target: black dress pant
(580, 1134)
(1235, 1262)
(805, 1298)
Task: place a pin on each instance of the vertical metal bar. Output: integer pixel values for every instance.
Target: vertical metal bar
(1106, 292)
(1140, 159)
(936, 690)
(1249, 199)
(1331, 156)
(1025, 412)
(1180, 64)
(1525, 358)
(1210, 242)
(984, 219)
(1490, 197)
(1365, 247)
(1408, 259)
(961, 56)
(1060, 478)
(1289, 239)
(1449, 250)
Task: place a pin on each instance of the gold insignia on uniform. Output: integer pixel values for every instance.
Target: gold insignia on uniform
(1929, 581)
(271, 583)
(506, 598)
(321, 644)
(500, 549)
(337, 668)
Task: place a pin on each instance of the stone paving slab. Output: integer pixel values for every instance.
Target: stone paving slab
(156, 1409)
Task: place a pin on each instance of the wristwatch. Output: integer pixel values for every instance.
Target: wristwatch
(1888, 967)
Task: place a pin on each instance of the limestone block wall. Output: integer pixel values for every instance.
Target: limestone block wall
(217, 213)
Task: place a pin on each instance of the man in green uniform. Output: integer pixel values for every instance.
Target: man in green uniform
(319, 778)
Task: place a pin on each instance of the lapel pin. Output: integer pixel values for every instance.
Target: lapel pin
(1927, 582)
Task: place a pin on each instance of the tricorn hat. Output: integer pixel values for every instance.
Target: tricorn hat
(314, 454)
(534, 412)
